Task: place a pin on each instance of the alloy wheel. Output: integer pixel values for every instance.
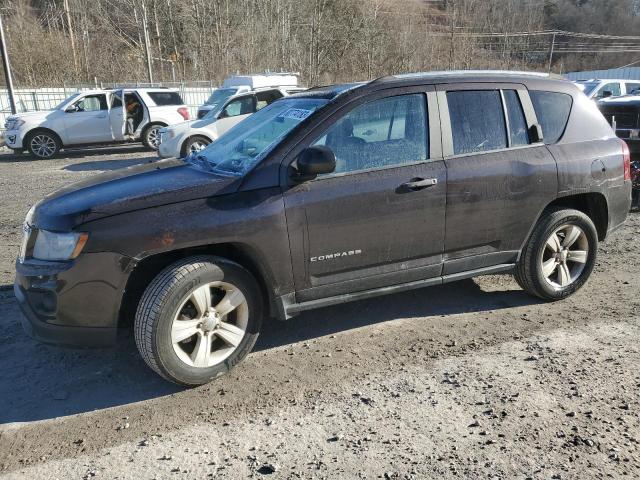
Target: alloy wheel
(153, 137)
(197, 146)
(43, 146)
(210, 324)
(564, 256)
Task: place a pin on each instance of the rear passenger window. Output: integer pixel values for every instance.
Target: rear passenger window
(382, 133)
(477, 121)
(518, 133)
(552, 110)
(162, 99)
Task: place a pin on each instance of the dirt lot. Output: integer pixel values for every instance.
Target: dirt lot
(469, 380)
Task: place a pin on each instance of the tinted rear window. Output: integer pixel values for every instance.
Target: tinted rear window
(552, 110)
(477, 121)
(166, 98)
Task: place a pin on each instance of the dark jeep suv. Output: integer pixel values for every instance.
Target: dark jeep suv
(336, 194)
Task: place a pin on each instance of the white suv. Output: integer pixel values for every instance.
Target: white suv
(96, 117)
(604, 88)
(187, 137)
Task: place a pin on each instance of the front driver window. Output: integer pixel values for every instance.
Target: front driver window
(382, 133)
(91, 103)
(240, 106)
(614, 88)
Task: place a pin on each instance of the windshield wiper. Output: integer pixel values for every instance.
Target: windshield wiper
(199, 159)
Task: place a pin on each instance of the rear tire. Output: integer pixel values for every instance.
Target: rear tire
(194, 144)
(151, 136)
(189, 336)
(43, 144)
(559, 256)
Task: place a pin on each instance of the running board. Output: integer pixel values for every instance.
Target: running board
(291, 309)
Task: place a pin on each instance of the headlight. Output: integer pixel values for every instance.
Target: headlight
(13, 123)
(58, 246)
(167, 134)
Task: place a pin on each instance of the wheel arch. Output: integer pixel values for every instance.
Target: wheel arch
(35, 130)
(155, 123)
(149, 267)
(592, 204)
(183, 147)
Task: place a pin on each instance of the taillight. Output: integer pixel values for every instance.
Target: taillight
(626, 159)
(184, 112)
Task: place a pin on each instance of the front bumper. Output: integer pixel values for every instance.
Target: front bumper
(169, 147)
(38, 328)
(74, 303)
(13, 139)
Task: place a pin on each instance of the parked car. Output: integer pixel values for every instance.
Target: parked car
(96, 117)
(623, 114)
(188, 137)
(604, 88)
(339, 193)
(284, 83)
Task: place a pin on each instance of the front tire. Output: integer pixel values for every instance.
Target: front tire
(559, 256)
(151, 136)
(43, 144)
(197, 319)
(194, 145)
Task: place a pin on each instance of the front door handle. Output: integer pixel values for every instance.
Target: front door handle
(419, 183)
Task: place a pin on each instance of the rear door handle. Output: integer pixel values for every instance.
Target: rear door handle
(420, 183)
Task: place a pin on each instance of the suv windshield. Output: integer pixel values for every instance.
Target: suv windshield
(66, 100)
(248, 142)
(220, 95)
(589, 87)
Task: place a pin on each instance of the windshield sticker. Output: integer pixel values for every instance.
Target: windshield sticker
(296, 113)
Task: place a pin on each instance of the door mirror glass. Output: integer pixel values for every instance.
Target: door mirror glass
(607, 93)
(314, 161)
(73, 108)
(535, 133)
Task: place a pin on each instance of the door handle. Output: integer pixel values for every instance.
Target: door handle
(419, 183)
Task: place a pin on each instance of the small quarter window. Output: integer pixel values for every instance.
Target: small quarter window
(518, 134)
(552, 110)
(477, 121)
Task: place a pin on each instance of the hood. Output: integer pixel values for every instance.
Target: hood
(128, 189)
(40, 114)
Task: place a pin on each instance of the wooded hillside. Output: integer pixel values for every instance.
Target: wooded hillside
(75, 41)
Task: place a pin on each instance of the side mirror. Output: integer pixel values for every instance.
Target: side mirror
(72, 109)
(535, 133)
(607, 93)
(314, 161)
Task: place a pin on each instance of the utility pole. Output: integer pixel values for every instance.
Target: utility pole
(147, 48)
(65, 6)
(7, 68)
(553, 45)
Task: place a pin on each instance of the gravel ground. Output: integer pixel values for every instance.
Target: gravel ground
(468, 380)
